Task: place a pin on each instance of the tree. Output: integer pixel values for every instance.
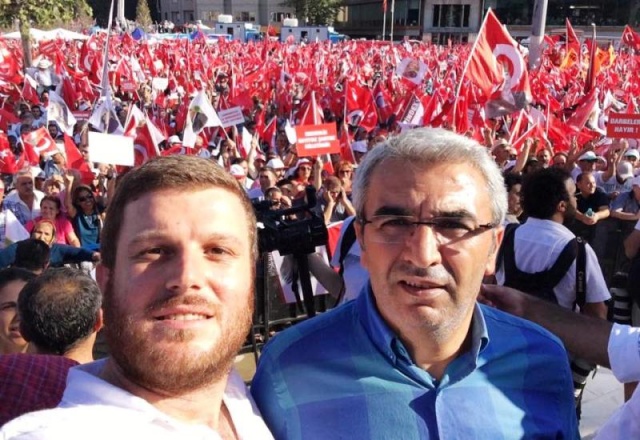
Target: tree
(143, 15)
(317, 12)
(41, 13)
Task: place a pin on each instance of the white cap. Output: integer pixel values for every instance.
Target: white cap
(589, 155)
(237, 171)
(625, 170)
(275, 164)
(632, 153)
(174, 140)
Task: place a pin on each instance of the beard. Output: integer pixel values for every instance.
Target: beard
(168, 365)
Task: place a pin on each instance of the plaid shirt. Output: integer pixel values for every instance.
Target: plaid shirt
(346, 375)
(31, 383)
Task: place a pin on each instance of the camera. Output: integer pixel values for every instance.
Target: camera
(296, 230)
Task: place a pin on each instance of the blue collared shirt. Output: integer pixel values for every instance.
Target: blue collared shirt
(346, 375)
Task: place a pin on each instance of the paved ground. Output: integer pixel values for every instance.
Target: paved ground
(602, 396)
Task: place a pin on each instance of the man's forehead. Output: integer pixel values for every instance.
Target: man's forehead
(409, 185)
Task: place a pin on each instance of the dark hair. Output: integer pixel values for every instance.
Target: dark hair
(76, 192)
(271, 190)
(32, 254)
(583, 175)
(185, 173)
(543, 190)
(59, 309)
(53, 199)
(511, 180)
(11, 274)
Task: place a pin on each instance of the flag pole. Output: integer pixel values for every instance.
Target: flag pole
(106, 90)
(393, 12)
(384, 18)
(466, 65)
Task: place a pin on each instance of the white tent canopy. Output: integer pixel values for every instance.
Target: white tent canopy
(38, 35)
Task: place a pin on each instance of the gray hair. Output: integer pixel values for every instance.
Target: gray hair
(426, 146)
(25, 172)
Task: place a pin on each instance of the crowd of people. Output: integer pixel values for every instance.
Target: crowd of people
(432, 221)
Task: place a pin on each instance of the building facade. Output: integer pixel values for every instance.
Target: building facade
(460, 20)
(260, 12)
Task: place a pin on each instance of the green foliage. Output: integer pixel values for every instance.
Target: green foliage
(143, 15)
(317, 12)
(42, 13)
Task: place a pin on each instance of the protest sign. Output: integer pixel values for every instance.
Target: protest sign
(623, 126)
(111, 149)
(231, 116)
(314, 140)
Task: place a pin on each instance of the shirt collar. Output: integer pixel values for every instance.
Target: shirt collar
(386, 340)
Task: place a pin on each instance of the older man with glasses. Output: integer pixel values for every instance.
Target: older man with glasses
(415, 356)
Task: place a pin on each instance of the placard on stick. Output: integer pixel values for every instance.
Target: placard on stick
(314, 140)
(111, 149)
(623, 126)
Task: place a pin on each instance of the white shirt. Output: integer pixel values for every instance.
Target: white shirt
(538, 244)
(23, 212)
(355, 276)
(624, 356)
(92, 408)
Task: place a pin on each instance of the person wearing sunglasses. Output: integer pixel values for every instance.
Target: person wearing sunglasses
(86, 216)
(344, 172)
(415, 355)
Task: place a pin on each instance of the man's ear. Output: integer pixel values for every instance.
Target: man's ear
(99, 321)
(561, 207)
(498, 235)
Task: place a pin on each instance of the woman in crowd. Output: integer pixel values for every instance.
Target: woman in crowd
(344, 172)
(86, 216)
(12, 281)
(50, 209)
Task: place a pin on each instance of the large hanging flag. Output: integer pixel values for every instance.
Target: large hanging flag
(497, 68)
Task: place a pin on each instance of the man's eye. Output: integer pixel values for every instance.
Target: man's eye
(452, 225)
(396, 223)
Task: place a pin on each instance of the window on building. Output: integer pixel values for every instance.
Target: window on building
(188, 15)
(245, 16)
(453, 16)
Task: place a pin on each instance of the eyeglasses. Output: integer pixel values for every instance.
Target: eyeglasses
(305, 168)
(84, 199)
(394, 229)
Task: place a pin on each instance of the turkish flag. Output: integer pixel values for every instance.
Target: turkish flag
(38, 143)
(631, 38)
(29, 92)
(346, 153)
(9, 67)
(8, 163)
(76, 161)
(360, 106)
(144, 146)
(313, 114)
(498, 69)
(6, 119)
(572, 40)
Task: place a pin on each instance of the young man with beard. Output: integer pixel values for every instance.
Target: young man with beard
(414, 356)
(178, 302)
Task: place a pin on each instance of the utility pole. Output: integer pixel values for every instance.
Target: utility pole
(538, 22)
